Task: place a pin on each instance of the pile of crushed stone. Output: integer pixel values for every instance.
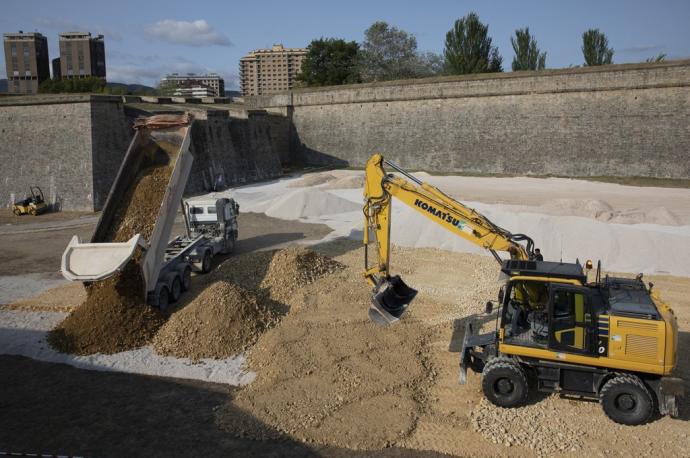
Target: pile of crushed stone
(280, 273)
(222, 321)
(327, 375)
(312, 179)
(112, 319)
(294, 268)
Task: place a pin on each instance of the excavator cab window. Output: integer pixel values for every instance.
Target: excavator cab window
(525, 313)
(570, 320)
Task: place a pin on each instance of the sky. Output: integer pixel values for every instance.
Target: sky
(144, 40)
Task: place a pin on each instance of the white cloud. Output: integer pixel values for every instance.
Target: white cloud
(190, 33)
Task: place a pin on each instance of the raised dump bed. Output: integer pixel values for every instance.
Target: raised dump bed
(141, 206)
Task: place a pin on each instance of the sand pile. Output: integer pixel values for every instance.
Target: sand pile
(313, 179)
(222, 321)
(112, 319)
(347, 182)
(311, 202)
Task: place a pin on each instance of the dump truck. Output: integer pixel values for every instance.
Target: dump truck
(166, 263)
(611, 339)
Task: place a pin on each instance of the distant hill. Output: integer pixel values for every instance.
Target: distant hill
(233, 94)
(3, 86)
(132, 88)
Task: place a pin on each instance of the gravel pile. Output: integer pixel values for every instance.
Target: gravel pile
(111, 319)
(222, 321)
(294, 268)
(540, 426)
(114, 317)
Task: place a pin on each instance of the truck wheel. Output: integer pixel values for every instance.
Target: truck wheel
(626, 400)
(163, 298)
(186, 277)
(175, 289)
(504, 383)
(206, 262)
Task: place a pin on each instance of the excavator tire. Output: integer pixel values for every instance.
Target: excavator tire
(626, 400)
(504, 382)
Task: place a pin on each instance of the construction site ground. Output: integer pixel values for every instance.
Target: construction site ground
(328, 382)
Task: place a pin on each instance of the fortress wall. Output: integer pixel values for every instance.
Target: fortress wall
(617, 120)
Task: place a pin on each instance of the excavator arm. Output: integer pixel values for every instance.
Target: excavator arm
(391, 294)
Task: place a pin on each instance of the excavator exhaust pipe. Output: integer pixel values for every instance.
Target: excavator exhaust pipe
(390, 300)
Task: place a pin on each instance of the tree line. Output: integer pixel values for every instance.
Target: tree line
(389, 53)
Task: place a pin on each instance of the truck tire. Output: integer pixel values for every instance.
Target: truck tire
(206, 262)
(504, 382)
(162, 297)
(175, 288)
(186, 277)
(626, 400)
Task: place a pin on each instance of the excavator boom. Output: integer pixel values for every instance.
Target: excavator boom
(391, 295)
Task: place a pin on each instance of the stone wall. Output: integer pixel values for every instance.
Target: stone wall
(73, 146)
(229, 151)
(617, 120)
(47, 144)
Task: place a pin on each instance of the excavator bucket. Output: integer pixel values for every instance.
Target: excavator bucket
(390, 300)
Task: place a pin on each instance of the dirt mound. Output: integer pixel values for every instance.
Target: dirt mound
(112, 319)
(221, 322)
(313, 179)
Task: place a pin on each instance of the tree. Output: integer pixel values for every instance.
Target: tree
(330, 61)
(92, 84)
(468, 48)
(595, 47)
(660, 58)
(388, 53)
(527, 55)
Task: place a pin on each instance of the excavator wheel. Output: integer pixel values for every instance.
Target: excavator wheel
(504, 382)
(626, 400)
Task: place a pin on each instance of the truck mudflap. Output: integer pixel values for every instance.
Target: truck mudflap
(468, 354)
(669, 390)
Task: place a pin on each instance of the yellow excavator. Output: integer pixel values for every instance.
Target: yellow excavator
(612, 339)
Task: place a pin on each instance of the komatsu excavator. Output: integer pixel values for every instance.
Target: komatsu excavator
(612, 339)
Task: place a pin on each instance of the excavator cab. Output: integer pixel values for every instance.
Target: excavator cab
(390, 300)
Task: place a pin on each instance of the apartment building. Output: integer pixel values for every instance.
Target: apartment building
(81, 55)
(265, 71)
(26, 61)
(190, 80)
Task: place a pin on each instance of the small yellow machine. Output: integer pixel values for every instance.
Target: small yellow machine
(33, 205)
(613, 339)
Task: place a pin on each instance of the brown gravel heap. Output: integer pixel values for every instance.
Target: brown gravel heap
(114, 316)
(222, 321)
(294, 268)
(112, 319)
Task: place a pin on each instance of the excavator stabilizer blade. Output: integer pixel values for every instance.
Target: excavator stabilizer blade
(390, 300)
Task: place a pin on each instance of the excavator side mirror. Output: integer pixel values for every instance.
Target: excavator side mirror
(489, 308)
